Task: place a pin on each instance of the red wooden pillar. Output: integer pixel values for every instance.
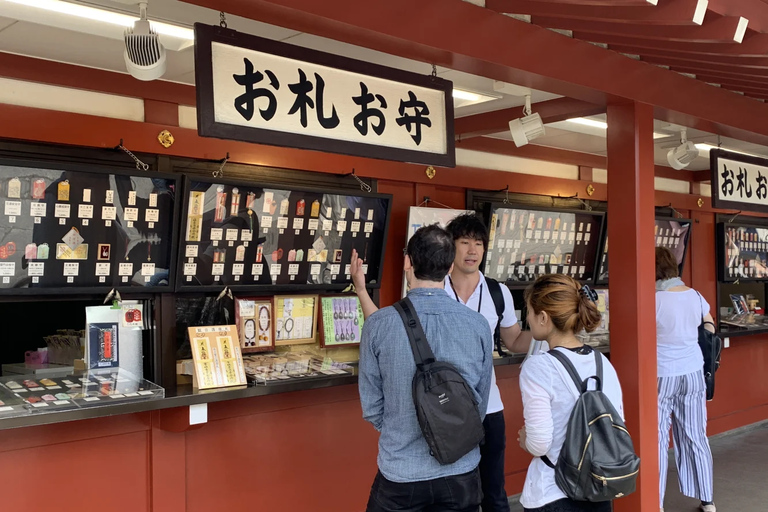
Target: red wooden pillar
(632, 294)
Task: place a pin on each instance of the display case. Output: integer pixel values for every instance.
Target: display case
(85, 229)
(742, 252)
(67, 390)
(341, 321)
(669, 232)
(264, 369)
(244, 235)
(525, 242)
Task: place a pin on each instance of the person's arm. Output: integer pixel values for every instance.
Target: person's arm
(709, 327)
(358, 279)
(369, 379)
(537, 409)
(514, 338)
(484, 383)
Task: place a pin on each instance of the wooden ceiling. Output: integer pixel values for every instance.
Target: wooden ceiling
(721, 42)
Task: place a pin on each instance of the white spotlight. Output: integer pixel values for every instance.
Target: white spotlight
(681, 156)
(144, 55)
(527, 127)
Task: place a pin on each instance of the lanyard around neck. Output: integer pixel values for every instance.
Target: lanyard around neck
(479, 302)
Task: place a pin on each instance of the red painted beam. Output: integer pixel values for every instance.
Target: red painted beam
(498, 121)
(715, 29)
(731, 69)
(671, 12)
(551, 62)
(754, 10)
(754, 44)
(717, 78)
(81, 77)
(732, 60)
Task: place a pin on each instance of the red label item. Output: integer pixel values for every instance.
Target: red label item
(38, 189)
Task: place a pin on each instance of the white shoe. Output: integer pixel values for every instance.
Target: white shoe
(708, 508)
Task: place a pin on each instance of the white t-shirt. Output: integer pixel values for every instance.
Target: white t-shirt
(549, 395)
(678, 316)
(483, 304)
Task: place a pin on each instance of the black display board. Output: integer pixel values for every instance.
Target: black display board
(742, 252)
(525, 242)
(83, 229)
(672, 233)
(253, 237)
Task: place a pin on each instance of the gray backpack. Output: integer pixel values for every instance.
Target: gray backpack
(598, 460)
(445, 404)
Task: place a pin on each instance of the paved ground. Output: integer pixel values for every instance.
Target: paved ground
(741, 475)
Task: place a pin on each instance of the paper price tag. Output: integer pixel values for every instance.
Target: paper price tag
(152, 215)
(282, 222)
(232, 234)
(314, 269)
(13, 208)
(108, 213)
(275, 268)
(257, 269)
(266, 221)
(327, 225)
(153, 200)
(217, 269)
(298, 223)
(125, 269)
(246, 235)
(341, 226)
(217, 234)
(335, 269)
(191, 251)
(102, 269)
(368, 227)
(71, 268)
(147, 269)
(61, 211)
(190, 269)
(238, 269)
(37, 209)
(313, 224)
(36, 268)
(293, 269)
(85, 211)
(355, 226)
(132, 214)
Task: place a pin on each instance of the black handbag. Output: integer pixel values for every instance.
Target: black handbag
(711, 346)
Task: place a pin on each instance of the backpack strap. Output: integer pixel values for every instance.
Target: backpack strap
(494, 287)
(422, 353)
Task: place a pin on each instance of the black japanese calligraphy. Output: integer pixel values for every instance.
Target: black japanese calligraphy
(727, 185)
(366, 112)
(762, 188)
(245, 102)
(302, 89)
(418, 119)
(743, 186)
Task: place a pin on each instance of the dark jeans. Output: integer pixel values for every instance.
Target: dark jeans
(458, 493)
(492, 464)
(569, 505)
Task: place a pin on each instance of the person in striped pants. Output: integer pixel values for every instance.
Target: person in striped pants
(682, 390)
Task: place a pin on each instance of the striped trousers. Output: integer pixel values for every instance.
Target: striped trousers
(683, 405)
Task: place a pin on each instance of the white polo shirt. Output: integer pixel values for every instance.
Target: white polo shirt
(482, 302)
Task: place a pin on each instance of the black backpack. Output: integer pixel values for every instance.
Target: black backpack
(445, 404)
(711, 346)
(598, 460)
(494, 287)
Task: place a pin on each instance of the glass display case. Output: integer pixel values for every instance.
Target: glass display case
(525, 242)
(742, 251)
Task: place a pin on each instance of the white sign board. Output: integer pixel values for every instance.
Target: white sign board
(258, 90)
(739, 181)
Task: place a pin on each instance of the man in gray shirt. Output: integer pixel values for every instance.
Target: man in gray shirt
(409, 478)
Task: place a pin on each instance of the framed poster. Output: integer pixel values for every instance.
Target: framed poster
(341, 320)
(85, 229)
(296, 319)
(255, 323)
(526, 242)
(670, 232)
(742, 252)
(250, 237)
(264, 91)
(217, 357)
(420, 216)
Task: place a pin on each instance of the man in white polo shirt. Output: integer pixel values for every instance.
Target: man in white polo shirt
(468, 286)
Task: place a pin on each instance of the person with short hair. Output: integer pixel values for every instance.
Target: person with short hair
(409, 478)
(558, 308)
(681, 385)
(468, 286)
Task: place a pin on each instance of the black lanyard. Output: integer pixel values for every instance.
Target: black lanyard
(479, 303)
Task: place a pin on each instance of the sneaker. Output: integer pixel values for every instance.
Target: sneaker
(708, 508)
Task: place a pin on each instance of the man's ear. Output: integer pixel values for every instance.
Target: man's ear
(407, 265)
(450, 270)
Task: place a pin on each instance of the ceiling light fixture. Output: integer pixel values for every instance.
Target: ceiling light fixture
(602, 124)
(681, 156)
(461, 94)
(144, 55)
(528, 127)
(104, 16)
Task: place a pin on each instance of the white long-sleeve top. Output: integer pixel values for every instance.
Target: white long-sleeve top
(549, 395)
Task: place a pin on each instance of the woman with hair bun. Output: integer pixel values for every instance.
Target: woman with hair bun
(558, 308)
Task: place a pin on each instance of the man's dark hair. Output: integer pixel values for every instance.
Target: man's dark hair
(432, 252)
(470, 226)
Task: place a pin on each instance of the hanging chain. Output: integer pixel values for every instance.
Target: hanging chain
(222, 19)
(363, 185)
(506, 195)
(434, 71)
(220, 171)
(139, 164)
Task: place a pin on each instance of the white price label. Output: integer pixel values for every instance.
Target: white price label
(36, 268)
(246, 235)
(232, 234)
(13, 208)
(266, 221)
(147, 269)
(282, 222)
(257, 269)
(125, 269)
(153, 200)
(71, 268)
(355, 226)
(293, 269)
(335, 269)
(190, 251)
(152, 215)
(190, 269)
(8, 269)
(238, 269)
(341, 226)
(217, 233)
(108, 212)
(298, 223)
(62, 211)
(314, 269)
(132, 214)
(313, 224)
(275, 268)
(217, 269)
(85, 211)
(368, 227)
(102, 269)
(327, 225)
(37, 209)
